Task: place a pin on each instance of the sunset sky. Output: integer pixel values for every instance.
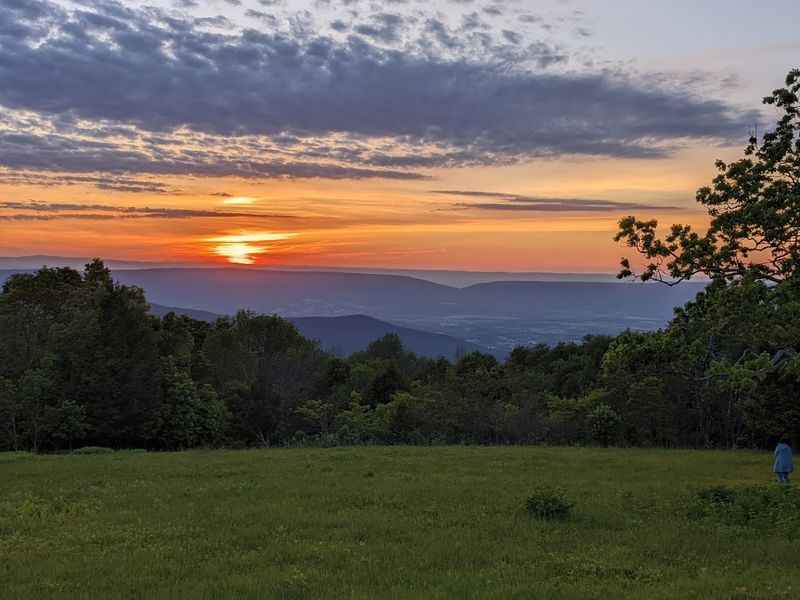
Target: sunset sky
(463, 134)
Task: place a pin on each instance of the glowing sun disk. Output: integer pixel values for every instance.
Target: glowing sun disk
(241, 249)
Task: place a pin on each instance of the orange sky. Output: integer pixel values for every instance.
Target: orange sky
(377, 223)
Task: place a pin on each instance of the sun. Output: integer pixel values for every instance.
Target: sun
(243, 248)
(239, 200)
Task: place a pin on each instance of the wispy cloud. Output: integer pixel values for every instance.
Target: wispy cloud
(115, 184)
(49, 211)
(515, 202)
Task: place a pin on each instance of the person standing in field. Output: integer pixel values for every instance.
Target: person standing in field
(784, 463)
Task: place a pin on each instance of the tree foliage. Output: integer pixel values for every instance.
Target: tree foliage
(754, 206)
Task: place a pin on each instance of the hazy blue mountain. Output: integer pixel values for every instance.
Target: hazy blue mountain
(6, 273)
(353, 333)
(309, 293)
(28, 263)
(441, 276)
(200, 315)
(497, 316)
(345, 335)
(464, 278)
(288, 293)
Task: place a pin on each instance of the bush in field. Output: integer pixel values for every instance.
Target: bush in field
(717, 495)
(764, 506)
(549, 504)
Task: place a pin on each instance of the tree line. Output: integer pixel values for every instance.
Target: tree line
(82, 362)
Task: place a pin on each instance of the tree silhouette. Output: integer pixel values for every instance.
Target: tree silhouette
(754, 205)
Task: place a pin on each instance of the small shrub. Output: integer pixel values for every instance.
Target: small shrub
(760, 507)
(549, 504)
(717, 495)
(93, 450)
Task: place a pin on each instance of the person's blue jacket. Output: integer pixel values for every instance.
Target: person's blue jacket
(783, 459)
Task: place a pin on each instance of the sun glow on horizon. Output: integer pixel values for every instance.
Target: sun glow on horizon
(242, 248)
(239, 200)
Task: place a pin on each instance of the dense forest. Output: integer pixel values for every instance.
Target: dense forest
(82, 362)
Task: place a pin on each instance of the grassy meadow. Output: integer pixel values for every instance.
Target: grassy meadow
(384, 522)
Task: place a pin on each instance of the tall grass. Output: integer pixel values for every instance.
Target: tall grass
(388, 522)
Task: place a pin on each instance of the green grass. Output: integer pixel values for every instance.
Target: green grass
(384, 522)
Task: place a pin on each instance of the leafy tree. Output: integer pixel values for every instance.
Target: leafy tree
(264, 369)
(389, 347)
(738, 383)
(317, 416)
(35, 392)
(29, 306)
(65, 423)
(604, 423)
(107, 348)
(190, 414)
(754, 205)
(10, 415)
(387, 382)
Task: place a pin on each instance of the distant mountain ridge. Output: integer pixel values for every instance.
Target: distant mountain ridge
(28, 263)
(346, 335)
(353, 333)
(324, 293)
(497, 315)
(454, 278)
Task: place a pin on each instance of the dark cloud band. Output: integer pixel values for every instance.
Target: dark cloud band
(514, 202)
(144, 80)
(49, 211)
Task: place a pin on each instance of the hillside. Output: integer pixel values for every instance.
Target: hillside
(353, 333)
(497, 316)
(345, 335)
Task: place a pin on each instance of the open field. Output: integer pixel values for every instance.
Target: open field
(382, 522)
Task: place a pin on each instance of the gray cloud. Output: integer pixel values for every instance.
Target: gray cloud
(384, 27)
(120, 90)
(47, 211)
(473, 21)
(117, 184)
(66, 217)
(515, 202)
(220, 21)
(68, 154)
(262, 16)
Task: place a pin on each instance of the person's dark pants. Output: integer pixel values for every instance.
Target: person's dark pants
(783, 477)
